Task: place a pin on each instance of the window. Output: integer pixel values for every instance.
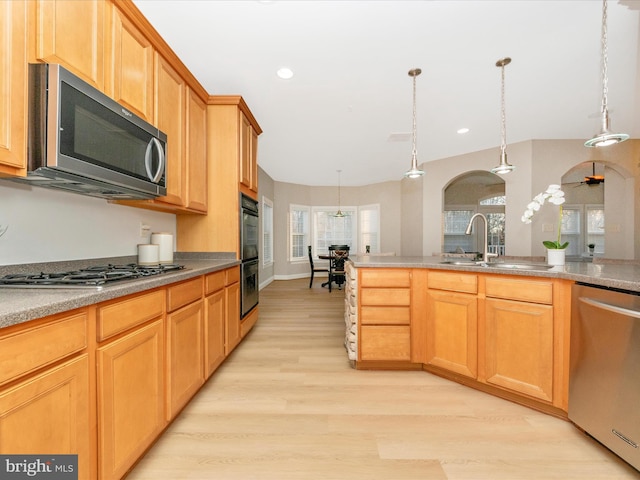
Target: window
(457, 219)
(331, 230)
(299, 229)
(582, 225)
(267, 231)
(455, 224)
(369, 217)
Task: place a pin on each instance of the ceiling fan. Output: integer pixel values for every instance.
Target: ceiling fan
(593, 179)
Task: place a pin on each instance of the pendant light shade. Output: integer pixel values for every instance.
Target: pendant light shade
(504, 166)
(414, 172)
(605, 137)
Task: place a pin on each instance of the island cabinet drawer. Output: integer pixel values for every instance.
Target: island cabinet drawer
(525, 290)
(452, 281)
(371, 315)
(214, 282)
(385, 277)
(184, 293)
(385, 296)
(34, 348)
(122, 314)
(385, 343)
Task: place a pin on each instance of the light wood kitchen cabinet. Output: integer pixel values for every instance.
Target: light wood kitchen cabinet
(170, 119)
(384, 314)
(219, 230)
(233, 332)
(248, 157)
(131, 388)
(196, 153)
(44, 397)
(129, 72)
(13, 88)
(185, 342)
(214, 325)
(70, 33)
(519, 336)
(452, 322)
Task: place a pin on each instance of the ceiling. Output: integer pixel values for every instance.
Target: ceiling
(349, 104)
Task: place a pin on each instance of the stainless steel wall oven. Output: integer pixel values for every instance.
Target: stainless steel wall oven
(249, 223)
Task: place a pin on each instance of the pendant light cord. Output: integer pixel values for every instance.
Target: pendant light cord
(603, 40)
(414, 152)
(503, 115)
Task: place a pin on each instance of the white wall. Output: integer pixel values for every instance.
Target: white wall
(47, 225)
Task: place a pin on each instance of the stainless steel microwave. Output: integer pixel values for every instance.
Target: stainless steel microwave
(81, 140)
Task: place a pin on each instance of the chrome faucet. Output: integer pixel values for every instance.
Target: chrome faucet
(485, 252)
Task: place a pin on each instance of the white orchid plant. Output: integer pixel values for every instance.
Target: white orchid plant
(554, 195)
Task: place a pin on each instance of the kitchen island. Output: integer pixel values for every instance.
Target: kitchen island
(503, 329)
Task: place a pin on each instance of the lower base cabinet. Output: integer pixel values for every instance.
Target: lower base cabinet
(131, 389)
(49, 414)
(519, 347)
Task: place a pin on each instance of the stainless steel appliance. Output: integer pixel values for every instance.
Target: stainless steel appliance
(604, 386)
(82, 141)
(249, 218)
(94, 277)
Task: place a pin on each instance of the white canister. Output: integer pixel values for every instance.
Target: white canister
(148, 254)
(165, 244)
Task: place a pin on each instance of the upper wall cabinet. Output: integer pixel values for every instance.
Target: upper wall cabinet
(196, 152)
(13, 84)
(129, 64)
(248, 157)
(70, 33)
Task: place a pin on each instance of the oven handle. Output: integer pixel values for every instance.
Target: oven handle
(154, 177)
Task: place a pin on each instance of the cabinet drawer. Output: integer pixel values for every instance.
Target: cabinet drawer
(385, 277)
(120, 315)
(385, 296)
(214, 282)
(370, 315)
(453, 281)
(29, 350)
(385, 343)
(184, 293)
(535, 291)
(233, 275)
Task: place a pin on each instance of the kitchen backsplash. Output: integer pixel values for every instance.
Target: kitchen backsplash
(47, 225)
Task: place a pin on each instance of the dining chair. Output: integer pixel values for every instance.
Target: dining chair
(313, 268)
(338, 253)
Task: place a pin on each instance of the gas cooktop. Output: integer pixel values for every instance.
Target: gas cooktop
(94, 277)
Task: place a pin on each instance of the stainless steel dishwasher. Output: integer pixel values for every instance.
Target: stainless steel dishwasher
(604, 380)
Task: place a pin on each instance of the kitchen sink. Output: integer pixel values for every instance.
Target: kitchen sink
(519, 266)
(458, 262)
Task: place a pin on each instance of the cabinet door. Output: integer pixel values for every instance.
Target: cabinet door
(129, 78)
(519, 347)
(254, 160)
(70, 33)
(186, 358)
(232, 317)
(196, 152)
(214, 331)
(13, 84)
(245, 152)
(452, 332)
(170, 112)
(49, 413)
(387, 342)
(131, 389)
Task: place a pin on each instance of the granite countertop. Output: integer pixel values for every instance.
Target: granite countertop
(612, 275)
(18, 305)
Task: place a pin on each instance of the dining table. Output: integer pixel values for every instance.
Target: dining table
(328, 256)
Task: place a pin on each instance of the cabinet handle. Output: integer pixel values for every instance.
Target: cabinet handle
(147, 159)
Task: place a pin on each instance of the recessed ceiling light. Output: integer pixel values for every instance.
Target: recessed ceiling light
(463, 130)
(285, 73)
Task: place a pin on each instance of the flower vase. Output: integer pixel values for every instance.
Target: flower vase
(555, 256)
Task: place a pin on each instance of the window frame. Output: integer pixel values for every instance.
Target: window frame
(306, 233)
(267, 232)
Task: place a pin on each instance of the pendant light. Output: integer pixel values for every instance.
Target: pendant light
(339, 213)
(605, 137)
(415, 172)
(503, 167)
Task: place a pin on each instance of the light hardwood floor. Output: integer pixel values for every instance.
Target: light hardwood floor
(287, 405)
